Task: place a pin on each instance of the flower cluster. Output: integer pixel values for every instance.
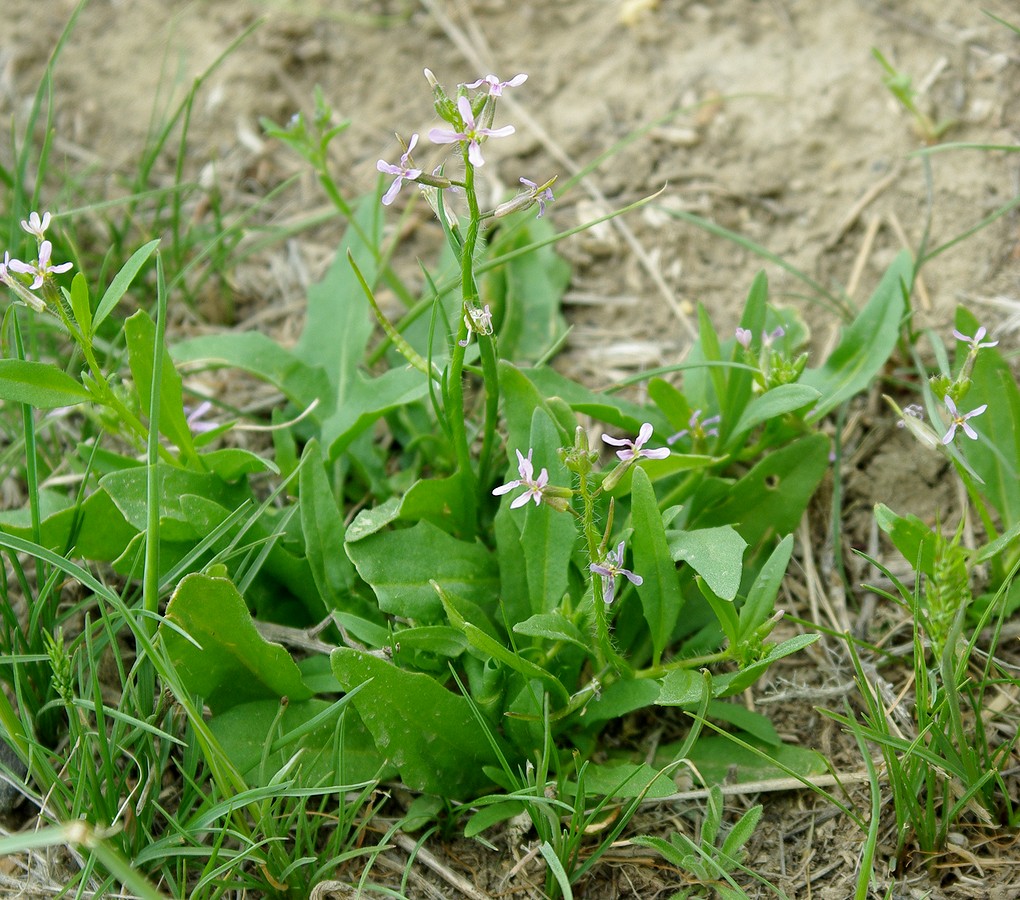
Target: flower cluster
(41, 271)
(471, 125)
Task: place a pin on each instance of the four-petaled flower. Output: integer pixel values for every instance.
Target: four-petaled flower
(404, 172)
(635, 448)
(36, 226)
(541, 197)
(472, 133)
(610, 569)
(696, 428)
(495, 85)
(960, 420)
(534, 485)
(42, 267)
(976, 341)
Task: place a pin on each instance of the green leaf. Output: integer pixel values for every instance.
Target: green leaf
(233, 463)
(122, 281)
(915, 540)
(427, 733)
(770, 499)
(866, 344)
(365, 400)
(399, 565)
(323, 528)
(80, 305)
(253, 352)
(621, 697)
(549, 536)
(659, 591)
(627, 780)
(527, 292)
(244, 730)
(774, 403)
(140, 335)
(233, 664)
(38, 384)
(761, 598)
(716, 554)
(553, 626)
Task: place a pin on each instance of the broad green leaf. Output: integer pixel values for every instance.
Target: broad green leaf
(912, 537)
(718, 759)
(492, 814)
(80, 305)
(234, 463)
(513, 576)
(626, 781)
(498, 651)
(866, 344)
(398, 565)
(301, 382)
(659, 591)
(323, 528)
(761, 598)
(127, 489)
(122, 281)
(244, 730)
(621, 697)
(371, 521)
(746, 719)
(554, 627)
(233, 663)
(96, 530)
(548, 537)
(716, 554)
(438, 639)
(996, 455)
(365, 400)
(681, 687)
(775, 403)
(140, 335)
(338, 322)
(526, 293)
(427, 733)
(770, 499)
(38, 384)
(608, 408)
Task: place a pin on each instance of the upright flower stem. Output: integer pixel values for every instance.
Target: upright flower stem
(603, 644)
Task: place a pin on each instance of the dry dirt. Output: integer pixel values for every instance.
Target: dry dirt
(773, 122)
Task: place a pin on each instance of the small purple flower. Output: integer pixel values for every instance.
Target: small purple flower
(42, 269)
(914, 411)
(769, 339)
(960, 421)
(541, 197)
(196, 418)
(471, 133)
(743, 336)
(634, 448)
(478, 321)
(404, 172)
(36, 226)
(495, 85)
(696, 428)
(976, 341)
(534, 485)
(610, 569)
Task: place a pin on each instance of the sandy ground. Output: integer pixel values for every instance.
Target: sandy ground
(772, 121)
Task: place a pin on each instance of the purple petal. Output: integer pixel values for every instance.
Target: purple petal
(506, 488)
(616, 442)
(475, 155)
(442, 136)
(505, 131)
(464, 108)
(660, 453)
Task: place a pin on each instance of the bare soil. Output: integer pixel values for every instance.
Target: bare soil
(772, 122)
